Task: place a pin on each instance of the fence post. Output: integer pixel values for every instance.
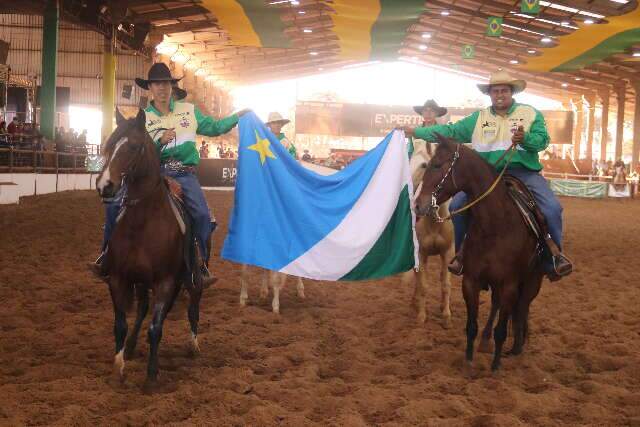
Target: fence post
(11, 159)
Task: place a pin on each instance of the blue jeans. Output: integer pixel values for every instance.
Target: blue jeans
(546, 200)
(194, 201)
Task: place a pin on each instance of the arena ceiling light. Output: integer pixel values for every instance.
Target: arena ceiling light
(422, 47)
(445, 13)
(307, 30)
(426, 35)
(531, 51)
(313, 53)
(565, 85)
(301, 12)
(589, 21)
(546, 40)
(514, 61)
(636, 54)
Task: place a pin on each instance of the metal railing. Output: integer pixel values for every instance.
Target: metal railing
(20, 160)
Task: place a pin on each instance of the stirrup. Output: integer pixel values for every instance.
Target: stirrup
(97, 268)
(562, 266)
(455, 266)
(208, 279)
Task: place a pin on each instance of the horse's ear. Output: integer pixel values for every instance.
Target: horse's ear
(141, 119)
(119, 117)
(441, 139)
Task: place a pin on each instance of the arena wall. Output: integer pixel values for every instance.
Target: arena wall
(32, 184)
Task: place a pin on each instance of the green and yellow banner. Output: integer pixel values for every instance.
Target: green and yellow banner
(366, 29)
(494, 26)
(530, 6)
(468, 51)
(590, 44)
(250, 22)
(373, 29)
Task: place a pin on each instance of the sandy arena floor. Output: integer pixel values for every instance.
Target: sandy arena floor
(349, 355)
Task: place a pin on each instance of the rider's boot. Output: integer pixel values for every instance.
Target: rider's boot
(99, 267)
(561, 265)
(208, 278)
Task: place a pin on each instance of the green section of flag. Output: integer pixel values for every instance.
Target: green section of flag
(468, 51)
(530, 6)
(390, 29)
(494, 26)
(394, 251)
(266, 23)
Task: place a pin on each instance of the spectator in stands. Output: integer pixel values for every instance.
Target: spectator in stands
(204, 150)
(13, 126)
(3, 127)
(306, 157)
(221, 152)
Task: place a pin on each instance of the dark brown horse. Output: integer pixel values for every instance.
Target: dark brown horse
(499, 250)
(146, 250)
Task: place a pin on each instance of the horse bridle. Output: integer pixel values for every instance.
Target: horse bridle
(434, 207)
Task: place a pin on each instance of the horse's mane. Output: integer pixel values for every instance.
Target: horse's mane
(468, 153)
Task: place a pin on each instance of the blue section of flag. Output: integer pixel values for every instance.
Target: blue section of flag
(282, 209)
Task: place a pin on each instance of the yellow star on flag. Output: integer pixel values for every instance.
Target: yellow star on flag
(262, 147)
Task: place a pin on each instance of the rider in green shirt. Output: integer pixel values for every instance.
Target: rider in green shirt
(275, 123)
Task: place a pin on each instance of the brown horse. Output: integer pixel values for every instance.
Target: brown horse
(146, 250)
(499, 251)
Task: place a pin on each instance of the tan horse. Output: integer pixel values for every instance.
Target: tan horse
(435, 239)
(273, 278)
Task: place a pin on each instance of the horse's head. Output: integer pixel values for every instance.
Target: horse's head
(418, 163)
(439, 182)
(123, 152)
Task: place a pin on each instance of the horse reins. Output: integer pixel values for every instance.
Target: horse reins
(510, 151)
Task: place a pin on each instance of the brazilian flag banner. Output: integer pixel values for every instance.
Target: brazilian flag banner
(468, 51)
(530, 6)
(494, 26)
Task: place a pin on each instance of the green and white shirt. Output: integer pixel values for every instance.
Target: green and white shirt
(188, 122)
(490, 134)
(288, 145)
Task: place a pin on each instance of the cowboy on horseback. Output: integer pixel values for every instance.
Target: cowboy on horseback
(275, 123)
(492, 132)
(173, 126)
(429, 112)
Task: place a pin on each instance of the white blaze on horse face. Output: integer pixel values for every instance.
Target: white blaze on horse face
(105, 176)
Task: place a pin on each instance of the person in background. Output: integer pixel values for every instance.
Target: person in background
(204, 150)
(3, 127)
(430, 111)
(275, 123)
(306, 157)
(13, 126)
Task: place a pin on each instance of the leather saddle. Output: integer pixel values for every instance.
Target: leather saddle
(532, 217)
(527, 206)
(185, 223)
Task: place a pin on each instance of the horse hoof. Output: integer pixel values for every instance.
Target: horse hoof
(118, 365)
(484, 346)
(194, 348)
(513, 352)
(446, 322)
(467, 369)
(149, 386)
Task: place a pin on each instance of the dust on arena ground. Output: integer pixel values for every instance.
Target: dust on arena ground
(350, 354)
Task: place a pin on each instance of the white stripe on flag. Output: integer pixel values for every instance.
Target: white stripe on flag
(346, 245)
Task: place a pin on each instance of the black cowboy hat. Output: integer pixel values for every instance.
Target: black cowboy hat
(159, 72)
(178, 93)
(440, 111)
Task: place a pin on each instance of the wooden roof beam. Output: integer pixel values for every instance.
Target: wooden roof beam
(170, 14)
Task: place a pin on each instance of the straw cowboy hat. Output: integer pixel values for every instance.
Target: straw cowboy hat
(440, 111)
(159, 72)
(277, 118)
(503, 78)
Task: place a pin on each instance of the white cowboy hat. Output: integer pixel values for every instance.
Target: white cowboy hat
(275, 118)
(503, 78)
